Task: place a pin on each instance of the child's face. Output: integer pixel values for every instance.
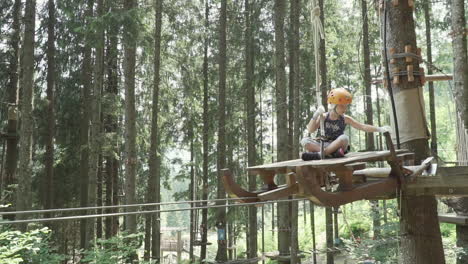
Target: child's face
(341, 109)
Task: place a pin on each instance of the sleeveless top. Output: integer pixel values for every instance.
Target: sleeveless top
(334, 128)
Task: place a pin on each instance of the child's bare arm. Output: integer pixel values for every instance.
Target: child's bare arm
(313, 125)
(364, 127)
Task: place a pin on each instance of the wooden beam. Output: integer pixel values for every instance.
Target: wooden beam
(449, 181)
(428, 78)
(283, 191)
(454, 219)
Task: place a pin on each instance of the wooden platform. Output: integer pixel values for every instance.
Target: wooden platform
(282, 167)
(307, 178)
(338, 181)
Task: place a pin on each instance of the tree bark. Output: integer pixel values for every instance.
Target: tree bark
(99, 198)
(324, 91)
(419, 228)
(193, 186)
(12, 97)
(460, 57)
(153, 224)
(221, 254)
(370, 144)
(460, 80)
(49, 155)
(84, 128)
(284, 239)
(251, 127)
(24, 199)
(130, 119)
(427, 19)
(95, 143)
(111, 125)
(294, 115)
(204, 223)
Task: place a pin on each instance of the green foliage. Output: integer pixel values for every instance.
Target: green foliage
(358, 228)
(114, 250)
(29, 247)
(448, 230)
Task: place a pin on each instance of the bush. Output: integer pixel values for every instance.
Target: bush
(359, 230)
(114, 250)
(28, 247)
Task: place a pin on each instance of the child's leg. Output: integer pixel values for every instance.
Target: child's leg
(310, 145)
(341, 142)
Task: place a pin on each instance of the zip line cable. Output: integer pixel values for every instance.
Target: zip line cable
(120, 206)
(79, 217)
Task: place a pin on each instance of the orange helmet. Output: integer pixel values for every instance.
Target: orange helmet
(339, 96)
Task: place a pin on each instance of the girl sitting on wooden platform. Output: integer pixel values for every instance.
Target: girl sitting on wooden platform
(336, 143)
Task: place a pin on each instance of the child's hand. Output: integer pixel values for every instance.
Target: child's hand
(384, 129)
(320, 110)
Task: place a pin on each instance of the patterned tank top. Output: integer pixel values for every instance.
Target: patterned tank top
(334, 128)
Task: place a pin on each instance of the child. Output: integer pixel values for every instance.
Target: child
(335, 121)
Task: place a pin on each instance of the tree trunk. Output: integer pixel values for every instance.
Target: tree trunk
(284, 239)
(251, 128)
(204, 223)
(152, 224)
(460, 58)
(312, 225)
(12, 97)
(193, 187)
(370, 145)
(324, 91)
(95, 147)
(221, 254)
(427, 19)
(49, 155)
(24, 198)
(130, 119)
(99, 198)
(420, 233)
(84, 128)
(294, 128)
(460, 80)
(111, 125)
(329, 234)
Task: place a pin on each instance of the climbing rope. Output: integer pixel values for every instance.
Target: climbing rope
(389, 83)
(317, 36)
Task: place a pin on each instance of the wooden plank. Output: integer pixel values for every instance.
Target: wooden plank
(429, 78)
(327, 163)
(452, 171)
(453, 219)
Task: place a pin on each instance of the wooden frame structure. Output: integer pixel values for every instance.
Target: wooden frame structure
(334, 182)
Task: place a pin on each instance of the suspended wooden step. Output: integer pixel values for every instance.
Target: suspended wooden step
(200, 243)
(276, 256)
